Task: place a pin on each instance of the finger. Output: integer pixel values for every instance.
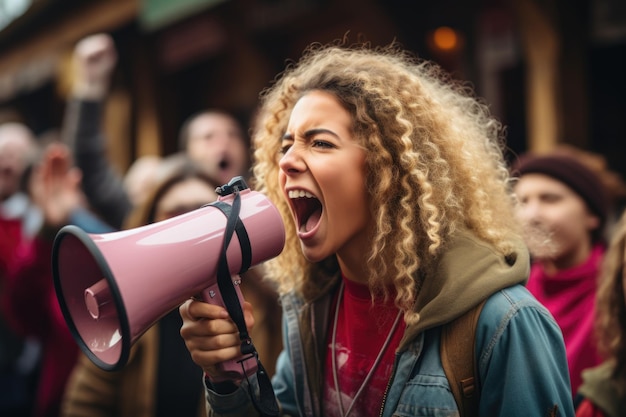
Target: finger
(199, 336)
(206, 327)
(248, 315)
(208, 359)
(74, 177)
(193, 309)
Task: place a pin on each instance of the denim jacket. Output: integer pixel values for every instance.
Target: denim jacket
(520, 352)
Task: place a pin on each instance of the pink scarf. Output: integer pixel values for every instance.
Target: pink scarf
(570, 296)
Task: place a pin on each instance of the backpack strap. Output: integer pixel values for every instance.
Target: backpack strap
(458, 357)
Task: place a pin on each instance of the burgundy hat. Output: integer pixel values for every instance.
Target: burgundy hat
(572, 173)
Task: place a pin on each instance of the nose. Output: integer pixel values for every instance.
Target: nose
(221, 141)
(530, 210)
(292, 162)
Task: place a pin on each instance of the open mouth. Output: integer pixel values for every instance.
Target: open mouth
(224, 164)
(307, 208)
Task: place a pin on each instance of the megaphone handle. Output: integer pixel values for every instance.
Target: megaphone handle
(232, 369)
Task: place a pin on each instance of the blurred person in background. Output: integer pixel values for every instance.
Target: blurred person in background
(563, 209)
(139, 180)
(93, 62)
(28, 299)
(213, 138)
(216, 140)
(603, 391)
(19, 222)
(18, 149)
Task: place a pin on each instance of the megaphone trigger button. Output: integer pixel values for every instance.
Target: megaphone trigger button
(197, 297)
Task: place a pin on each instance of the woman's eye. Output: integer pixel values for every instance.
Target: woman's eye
(321, 144)
(284, 148)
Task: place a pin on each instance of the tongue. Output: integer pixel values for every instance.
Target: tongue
(312, 221)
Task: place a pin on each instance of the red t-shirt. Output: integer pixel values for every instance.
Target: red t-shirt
(361, 332)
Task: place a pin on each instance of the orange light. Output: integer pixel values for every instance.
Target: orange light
(445, 38)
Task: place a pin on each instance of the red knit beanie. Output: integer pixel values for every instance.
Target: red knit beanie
(572, 173)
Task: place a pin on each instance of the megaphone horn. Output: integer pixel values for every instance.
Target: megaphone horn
(112, 287)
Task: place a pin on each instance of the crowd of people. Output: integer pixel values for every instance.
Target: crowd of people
(402, 214)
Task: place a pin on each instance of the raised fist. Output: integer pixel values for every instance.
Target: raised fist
(94, 60)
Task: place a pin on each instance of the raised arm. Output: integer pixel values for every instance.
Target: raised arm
(94, 60)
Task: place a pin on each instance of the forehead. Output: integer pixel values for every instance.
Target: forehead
(213, 121)
(15, 142)
(319, 108)
(189, 190)
(541, 183)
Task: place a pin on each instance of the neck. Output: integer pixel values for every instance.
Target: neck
(568, 260)
(354, 271)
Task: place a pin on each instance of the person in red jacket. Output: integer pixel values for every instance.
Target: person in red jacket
(28, 299)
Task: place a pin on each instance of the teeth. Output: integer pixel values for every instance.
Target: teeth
(300, 194)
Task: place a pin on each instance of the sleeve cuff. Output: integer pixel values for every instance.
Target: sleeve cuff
(237, 402)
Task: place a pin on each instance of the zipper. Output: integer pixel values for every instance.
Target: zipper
(393, 374)
(314, 399)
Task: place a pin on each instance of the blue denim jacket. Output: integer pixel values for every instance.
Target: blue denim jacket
(520, 357)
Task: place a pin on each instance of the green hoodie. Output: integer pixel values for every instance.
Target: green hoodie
(599, 388)
(469, 271)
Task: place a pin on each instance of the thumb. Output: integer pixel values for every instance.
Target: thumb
(75, 177)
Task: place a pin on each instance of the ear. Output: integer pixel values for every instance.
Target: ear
(592, 222)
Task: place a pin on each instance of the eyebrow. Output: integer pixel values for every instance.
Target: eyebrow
(309, 133)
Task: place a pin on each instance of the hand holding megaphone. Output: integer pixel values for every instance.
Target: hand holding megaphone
(212, 338)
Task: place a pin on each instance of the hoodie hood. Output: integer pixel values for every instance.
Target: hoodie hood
(468, 272)
(600, 388)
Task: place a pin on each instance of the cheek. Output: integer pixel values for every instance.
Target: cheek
(523, 213)
(349, 202)
(556, 216)
(282, 179)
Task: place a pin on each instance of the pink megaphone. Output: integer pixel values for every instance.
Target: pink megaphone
(112, 287)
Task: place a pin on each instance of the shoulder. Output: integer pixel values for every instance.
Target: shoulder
(518, 341)
(514, 315)
(511, 301)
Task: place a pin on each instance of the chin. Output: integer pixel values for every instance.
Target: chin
(312, 256)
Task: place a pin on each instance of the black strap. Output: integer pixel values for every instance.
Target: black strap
(242, 234)
(266, 404)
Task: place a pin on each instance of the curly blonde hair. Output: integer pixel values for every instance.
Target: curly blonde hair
(434, 162)
(611, 306)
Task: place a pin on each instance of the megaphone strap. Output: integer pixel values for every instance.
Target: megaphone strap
(224, 280)
(267, 404)
(242, 235)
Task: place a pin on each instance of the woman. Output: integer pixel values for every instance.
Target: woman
(603, 392)
(399, 219)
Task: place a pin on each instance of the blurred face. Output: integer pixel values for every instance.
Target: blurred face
(184, 197)
(557, 223)
(140, 178)
(322, 175)
(217, 142)
(13, 154)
